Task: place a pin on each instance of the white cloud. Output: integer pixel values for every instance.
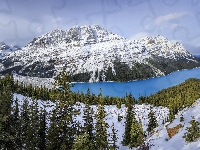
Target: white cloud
(58, 19)
(139, 36)
(163, 20)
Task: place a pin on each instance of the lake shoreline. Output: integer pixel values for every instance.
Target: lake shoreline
(133, 80)
(139, 87)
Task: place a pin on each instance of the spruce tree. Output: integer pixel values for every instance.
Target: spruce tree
(193, 132)
(42, 130)
(25, 123)
(53, 140)
(88, 129)
(82, 142)
(152, 121)
(101, 129)
(137, 134)
(114, 139)
(128, 123)
(66, 127)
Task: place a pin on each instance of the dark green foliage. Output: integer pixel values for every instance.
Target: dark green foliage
(80, 77)
(101, 126)
(152, 121)
(125, 73)
(139, 70)
(6, 100)
(88, 129)
(169, 65)
(137, 135)
(128, 123)
(193, 132)
(130, 100)
(114, 138)
(39, 69)
(177, 97)
(64, 127)
(82, 142)
(181, 118)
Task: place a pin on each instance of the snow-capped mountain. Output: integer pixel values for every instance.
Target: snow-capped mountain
(93, 51)
(4, 49)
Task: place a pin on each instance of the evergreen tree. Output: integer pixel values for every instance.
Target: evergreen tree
(128, 123)
(114, 138)
(193, 132)
(137, 134)
(42, 130)
(53, 140)
(88, 129)
(25, 123)
(6, 101)
(62, 117)
(101, 129)
(82, 142)
(15, 126)
(152, 121)
(181, 118)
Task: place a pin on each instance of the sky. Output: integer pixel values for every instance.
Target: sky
(23, 20)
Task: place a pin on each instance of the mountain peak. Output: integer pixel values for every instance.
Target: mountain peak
(93, 50)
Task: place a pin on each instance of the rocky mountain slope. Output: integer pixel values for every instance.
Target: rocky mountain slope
(91, 53)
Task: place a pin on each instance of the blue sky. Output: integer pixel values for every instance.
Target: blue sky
(22, 20)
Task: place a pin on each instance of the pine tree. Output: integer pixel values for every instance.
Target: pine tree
(6, 101)
(119, 102)
(15, 126)
(181, 118)
(114, 138)
(25, 123)
(82, 142)
(101, 129)
(130, 100)
(53, 140)
(88, 129)
(193, 132)
(62, 118)
(128, 123)
(137, 134)
(42, 130)
(152, 121)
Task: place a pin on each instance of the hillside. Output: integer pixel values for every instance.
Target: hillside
(92, 54)
(63, 119)
(159, 140)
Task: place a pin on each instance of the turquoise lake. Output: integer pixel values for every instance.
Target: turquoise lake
(142, 87)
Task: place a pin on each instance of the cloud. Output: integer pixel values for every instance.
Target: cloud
(58, 19)
(163, 20)
(139, 36)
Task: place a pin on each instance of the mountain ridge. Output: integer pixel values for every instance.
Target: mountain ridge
(91, 53)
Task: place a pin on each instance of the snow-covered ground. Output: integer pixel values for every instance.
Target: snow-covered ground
(35, 81)
(177, 142)
(157, 139)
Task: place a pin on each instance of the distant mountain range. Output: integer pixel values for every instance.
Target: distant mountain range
(91, 53)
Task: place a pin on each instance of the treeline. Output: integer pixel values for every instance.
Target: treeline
(138, 71)
(122, 70)
(175, 98)
(169, 65)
